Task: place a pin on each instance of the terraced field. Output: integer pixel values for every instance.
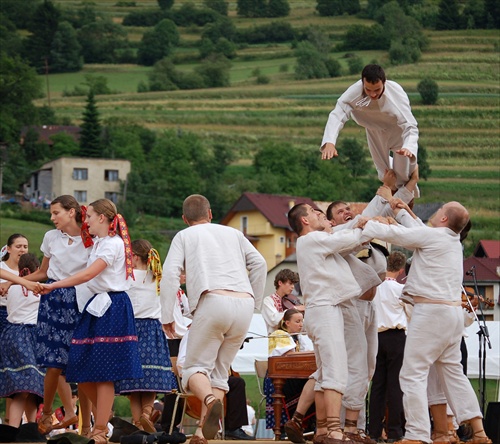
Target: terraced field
(460, 133)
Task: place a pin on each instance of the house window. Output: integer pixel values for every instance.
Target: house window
(111, 175)
(80, 195)
(112, 196)
(244, 224)
(282, 239)
(80, 173)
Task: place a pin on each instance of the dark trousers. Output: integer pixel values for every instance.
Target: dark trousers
(236, 407)
(385, 390)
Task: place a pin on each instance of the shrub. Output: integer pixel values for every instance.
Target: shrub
(262, 80)
(359, 37)
(143, 18)
(355, 64)
(403, 53)
(429, 91)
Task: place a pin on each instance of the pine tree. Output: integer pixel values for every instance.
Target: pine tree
(43, 26)
(66, 51)
(448, 15)
(90, 135)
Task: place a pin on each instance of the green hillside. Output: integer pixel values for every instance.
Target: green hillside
(460, 132)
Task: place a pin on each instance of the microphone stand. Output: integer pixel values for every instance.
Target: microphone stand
(484, 338)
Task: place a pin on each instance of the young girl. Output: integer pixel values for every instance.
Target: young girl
(16, 246)
(64, 254)
(287, 340)
(10, 253)
(104, 347)
(22, 380)
(153, 348)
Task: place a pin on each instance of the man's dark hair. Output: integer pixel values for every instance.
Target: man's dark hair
(294, 215)
(396, 261)
(373, 73)
(285, 275)
(330, 208)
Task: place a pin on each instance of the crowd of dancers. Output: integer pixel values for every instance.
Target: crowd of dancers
(96, 310)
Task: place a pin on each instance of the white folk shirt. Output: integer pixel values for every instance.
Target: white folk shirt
(142, 294)
(391, 113)
(215, 257)
(389, 306)
(272, 317)
(113, 278)
(4, 266)
(325, 276)
(66, 258)
(181, 309)
(20, 309)
(436, 270)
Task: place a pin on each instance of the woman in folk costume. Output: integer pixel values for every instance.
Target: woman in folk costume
(153, 347)
(16, 246)
(22, 380)
(65, 252)
(288, 339)
(104, 348)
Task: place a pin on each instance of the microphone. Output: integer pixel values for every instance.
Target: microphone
(471, 271)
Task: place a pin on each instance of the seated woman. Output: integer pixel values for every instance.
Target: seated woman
(287, 340)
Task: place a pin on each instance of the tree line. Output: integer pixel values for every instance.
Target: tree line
(63, 39)
(169, 165)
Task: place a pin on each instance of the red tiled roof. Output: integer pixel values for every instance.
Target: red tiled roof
(273, 207)
(45, 132)
(488, 248)
(486, 269)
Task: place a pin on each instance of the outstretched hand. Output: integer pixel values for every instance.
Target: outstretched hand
(362, 220)
(169, 330)
(385, 193)
(4, 288)
(384, 220)
(328, 151)
(398, 204)
(390, 179)
(405, 152)
(41, 288)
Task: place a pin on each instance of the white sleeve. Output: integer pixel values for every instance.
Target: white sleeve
(405, 219)
(410, 238)
(170, 281)
(181, 357)
(340, 114)
(257, 271)
(272, 317)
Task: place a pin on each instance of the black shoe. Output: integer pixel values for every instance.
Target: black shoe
(238, 434)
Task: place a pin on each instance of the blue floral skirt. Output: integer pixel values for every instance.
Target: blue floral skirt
(58, 316)
(106, 348)
(155, 361)
(19, 372)
(3, 317)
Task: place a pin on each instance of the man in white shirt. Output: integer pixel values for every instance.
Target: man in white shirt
(326, 280)
(434, 285)
(392, 324)
(382, 107)
(225, 279)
